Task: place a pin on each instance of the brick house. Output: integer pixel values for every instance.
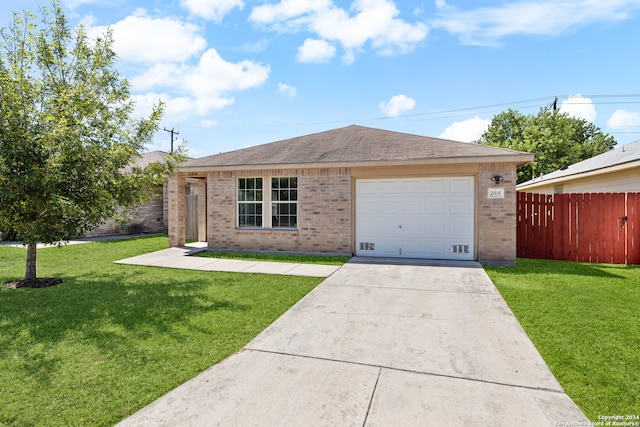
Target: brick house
(151, 217)
(355, 191)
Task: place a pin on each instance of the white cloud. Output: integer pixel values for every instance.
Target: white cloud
(287, 9)
(213, 10)
(255, 47)
(73, 4)
(373, 21)
(487, 25)
(397, 105)
(287, 90)
(178, 109)
(140, 38)
(212, 76)
(622, 118)
(209, 123)
(318, 51)
(466, 131)
(202, 88)
(580, 107)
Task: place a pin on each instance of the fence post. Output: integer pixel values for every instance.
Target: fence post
(633, 228)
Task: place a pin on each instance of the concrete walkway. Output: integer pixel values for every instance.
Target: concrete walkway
(179, 258)
(382, 344)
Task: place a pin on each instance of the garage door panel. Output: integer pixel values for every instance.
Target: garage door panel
(460, 207)
(412, 249)
(416, 217)
(436, 206)
(368, 187)
(412, 186)
(436, 248)
(436, 186)
(460, 185)
(378, 207)
(460, 234)
(390, 187)
(436, 228)
(382, 227)
(409, 208)
(412, 228)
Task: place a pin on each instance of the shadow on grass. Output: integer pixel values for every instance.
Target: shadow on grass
(112, 312)
(541, 266)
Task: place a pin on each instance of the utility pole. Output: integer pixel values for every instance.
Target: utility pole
(172, 132)
(554, 104)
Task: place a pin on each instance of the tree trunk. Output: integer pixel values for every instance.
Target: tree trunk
(31, 262)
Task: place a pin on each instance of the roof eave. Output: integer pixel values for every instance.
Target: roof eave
(519, 159)
(578, 175)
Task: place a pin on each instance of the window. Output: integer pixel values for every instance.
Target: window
(250, 195)
(284, 202)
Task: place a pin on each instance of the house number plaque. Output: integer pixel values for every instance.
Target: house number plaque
(496, 193)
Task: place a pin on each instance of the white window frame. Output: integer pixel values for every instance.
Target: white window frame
(289, 191)
(266, 203)
(240, 202)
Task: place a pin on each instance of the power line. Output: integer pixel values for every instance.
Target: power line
(172, 132)
(477, 110)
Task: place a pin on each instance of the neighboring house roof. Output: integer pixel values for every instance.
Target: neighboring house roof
(357, 145)
(617, 158)
(151, 157)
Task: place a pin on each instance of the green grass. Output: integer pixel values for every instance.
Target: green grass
(303, 259)
(585, 321)
(113, 338)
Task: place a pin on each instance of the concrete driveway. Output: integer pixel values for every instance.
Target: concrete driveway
(380, 344)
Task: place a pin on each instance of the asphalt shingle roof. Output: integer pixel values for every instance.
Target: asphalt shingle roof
(151, 157)
(352, 144)
(617, 156)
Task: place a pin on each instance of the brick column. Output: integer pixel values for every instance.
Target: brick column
(497, 217)
(202, 210)
(177, 210)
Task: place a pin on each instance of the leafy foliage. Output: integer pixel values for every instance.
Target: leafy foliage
(557, 139)
(67, 136)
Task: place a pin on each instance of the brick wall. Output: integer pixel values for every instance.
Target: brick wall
(497, 217)
(326, 217)
(324, 213)
(149, 218)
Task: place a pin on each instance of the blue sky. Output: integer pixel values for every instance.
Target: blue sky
(237, 73)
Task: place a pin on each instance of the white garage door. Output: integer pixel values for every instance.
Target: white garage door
(415, 217)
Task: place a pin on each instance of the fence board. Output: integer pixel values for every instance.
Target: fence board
(191, 220)
(602, 244)
(618, 229)
(633, 228)
(586, 227)
(560, 227)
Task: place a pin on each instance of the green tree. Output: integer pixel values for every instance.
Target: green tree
(67, 135)
(557, 139)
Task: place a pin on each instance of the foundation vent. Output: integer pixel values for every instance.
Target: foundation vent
(367, 246)
(460, 249)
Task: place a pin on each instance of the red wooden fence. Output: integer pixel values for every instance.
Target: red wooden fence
(589, 227)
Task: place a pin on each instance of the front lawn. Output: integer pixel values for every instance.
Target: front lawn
(113, 338)
(585, 321)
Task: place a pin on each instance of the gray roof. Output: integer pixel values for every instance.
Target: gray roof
(355, 145)
(617, 156)
(151, 157)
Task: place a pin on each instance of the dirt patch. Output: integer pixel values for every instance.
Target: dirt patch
(42, 282)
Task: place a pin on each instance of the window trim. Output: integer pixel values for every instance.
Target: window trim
(267, 204)
(289, 202)
(248, 202)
